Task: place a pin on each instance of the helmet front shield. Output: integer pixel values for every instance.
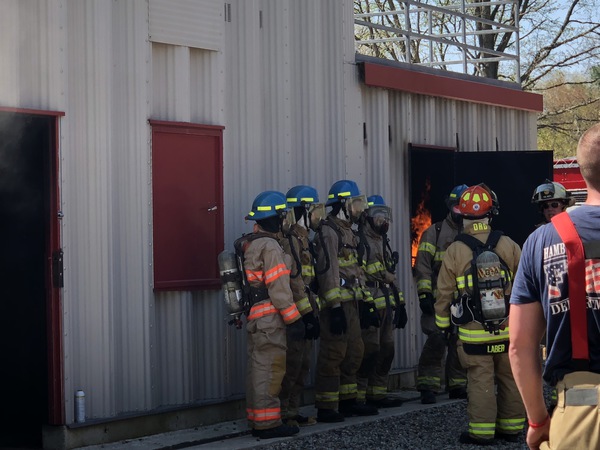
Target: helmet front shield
(356, 206)
(316, 214)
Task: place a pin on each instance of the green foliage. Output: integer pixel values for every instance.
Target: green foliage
(571, 106)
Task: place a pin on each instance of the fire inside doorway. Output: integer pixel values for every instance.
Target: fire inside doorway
(513, 175)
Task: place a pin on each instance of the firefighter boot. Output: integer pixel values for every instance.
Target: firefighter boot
(351, 408)
(279, 431)
(509, 437)
(387, 402)
(458, 393)
(466, 438)
(300, 421)
(329, 416)
(428, 397)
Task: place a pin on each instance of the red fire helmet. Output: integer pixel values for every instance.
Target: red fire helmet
(475, 202)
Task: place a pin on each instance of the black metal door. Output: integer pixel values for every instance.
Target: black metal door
(24, 218)
(513, 175)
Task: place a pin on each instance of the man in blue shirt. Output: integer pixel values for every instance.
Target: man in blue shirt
(540, 303)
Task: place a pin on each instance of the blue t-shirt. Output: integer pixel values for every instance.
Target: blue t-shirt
(542, 276)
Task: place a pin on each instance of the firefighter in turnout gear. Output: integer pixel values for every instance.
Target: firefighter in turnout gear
(305, 213)
(465, 298)
(344, 305)
(551, 198)
(432, 246)
(379, 264)
(272, 315)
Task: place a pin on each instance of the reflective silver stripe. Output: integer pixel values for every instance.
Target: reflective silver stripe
(581, 396)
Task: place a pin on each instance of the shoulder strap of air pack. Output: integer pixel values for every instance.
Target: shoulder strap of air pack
(473, 243)
(577, 296)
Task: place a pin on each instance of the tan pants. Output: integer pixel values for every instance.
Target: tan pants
(490, 412)
(429, 372)
(339, 359)
(266, 367)
(575, 421)
(372, 376)
(297, 367)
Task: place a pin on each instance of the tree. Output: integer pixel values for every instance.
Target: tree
(559, 54)
(570, 107)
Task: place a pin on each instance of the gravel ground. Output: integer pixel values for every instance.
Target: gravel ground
(435, 428)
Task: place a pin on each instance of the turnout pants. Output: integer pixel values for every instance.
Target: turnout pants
(575, 421)
(487, 411)
(339, 359)
(297, 367)
(372, 376)
(266, 367)
(432, 356)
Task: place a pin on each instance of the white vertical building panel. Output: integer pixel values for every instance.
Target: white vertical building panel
(88, 198)
(188, 23)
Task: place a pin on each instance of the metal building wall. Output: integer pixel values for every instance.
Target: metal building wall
(283, 82)
(392, 120)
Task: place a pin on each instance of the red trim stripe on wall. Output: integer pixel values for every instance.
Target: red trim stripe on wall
(400, 79)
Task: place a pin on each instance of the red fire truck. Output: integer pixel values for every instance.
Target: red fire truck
(566, 172)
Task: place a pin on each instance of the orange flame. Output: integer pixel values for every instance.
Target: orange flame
(420, 222)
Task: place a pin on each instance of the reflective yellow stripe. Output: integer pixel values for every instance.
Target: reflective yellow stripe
(439, 256)
(308, 270)
(303, 305)
(480, 336)
(428, 382)
(380, 303)
(424, 285)
(331, 295)
(377, 390)
(349, 261)
(327, 396)
(348, 294)
(442, 322)
(346, 389)
(512, 426)
(483, 429)
(374, 268)
(427, 247)
(457, 382)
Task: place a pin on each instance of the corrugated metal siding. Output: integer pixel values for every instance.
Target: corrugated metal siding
(108, 303)
(189, 23)
(286, 89)
(425, 120)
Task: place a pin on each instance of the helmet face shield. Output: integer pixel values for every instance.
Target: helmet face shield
(355, 207)
(288, 218)
(380, 218)
(380, 213)
(316, 213)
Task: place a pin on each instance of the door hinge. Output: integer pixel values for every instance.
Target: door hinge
(57, 269)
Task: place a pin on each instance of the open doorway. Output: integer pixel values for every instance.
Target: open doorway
(513, 175)
(28, 229)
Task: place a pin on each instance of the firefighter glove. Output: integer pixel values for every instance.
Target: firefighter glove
(337, 320)
(400, 316)
(312, 327)
(426, 302)
(368, 315)
(295, 331)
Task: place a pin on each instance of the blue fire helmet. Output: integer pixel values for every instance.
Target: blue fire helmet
(342, 189)
(375, 200)
(454, 196)
(267, 204)
(302, 195)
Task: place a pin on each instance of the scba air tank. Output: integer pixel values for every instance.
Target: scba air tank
(232, 282)
(491, 286)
